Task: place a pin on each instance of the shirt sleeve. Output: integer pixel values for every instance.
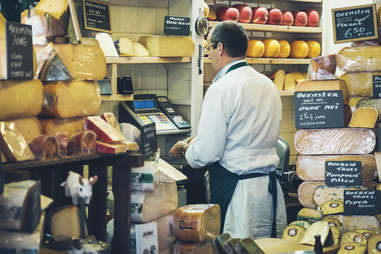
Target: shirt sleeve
(209, 143)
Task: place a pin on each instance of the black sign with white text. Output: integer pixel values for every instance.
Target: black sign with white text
(361, 202)
(343, 173)
(376, 79)
(97, 16)
(176, 25)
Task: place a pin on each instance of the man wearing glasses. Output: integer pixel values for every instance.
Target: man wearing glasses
(236, 139)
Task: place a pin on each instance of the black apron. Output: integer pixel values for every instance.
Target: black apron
(223, 182)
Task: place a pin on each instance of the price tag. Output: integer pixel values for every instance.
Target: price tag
(361, 202)
(376, 86)
(96, 16)
(355, 23)
(176, 25)
(343, 173)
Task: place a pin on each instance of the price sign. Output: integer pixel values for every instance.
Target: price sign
(96, 16)
(343, 173)
(176, 25)
(355, 23)
(376, 86)
(361, 202)
(319, 109)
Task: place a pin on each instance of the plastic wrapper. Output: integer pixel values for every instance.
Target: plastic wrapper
(335, 141)
(353, 222)
(71, 99)
(44, 147)
(322, 68)
(196, 223)
(313, 167)
(51, 126)
(83, 142)
(29, 127)
(131, 133)
(359, 83)
(20, 99)
(370, 102)
(367, 58)
(206, 247)
(13, 144)
(59, 62)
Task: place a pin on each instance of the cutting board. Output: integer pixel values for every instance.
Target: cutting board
(276, 245)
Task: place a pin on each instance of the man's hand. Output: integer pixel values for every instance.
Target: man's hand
(178, 150)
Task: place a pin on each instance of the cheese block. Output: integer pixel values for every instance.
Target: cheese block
(126, 47)
(301, 223)
(206, 247)
(51, 126)
(353, 237)
(29, 127)
(140, 50)
(293, 233)
(165, 234)
(169, 46)
(322, 68)
(292, 79)
(335, 141)
(364, 117)
(59, 225)
(20, 99)
(83, 142)
(309, 214)
(44, 147)
(20, 206)
(71, 99)
(105, 148)
(13, 144)
(367, 58)
(367, 233)
(305, 193)
(56, 8)
(324, 85)
(279, 78)
(323, 194)
(374, 244)
(370, 102)
(349, 248)
(359, 83)
(196, 223)
(351, 223)
(148, 206)
(58, 62)
(248, 246)
(107, 44)
(105, 132)
(332, 207)
(313, 167)
(318, 228)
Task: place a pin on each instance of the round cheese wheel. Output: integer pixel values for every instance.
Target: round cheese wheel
(272, 48)
(255, 48)
(314, 49)
(299, 49)
(285, 48)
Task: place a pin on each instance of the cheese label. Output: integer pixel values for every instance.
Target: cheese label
(378, 246)
(343, 173)
(362, 202)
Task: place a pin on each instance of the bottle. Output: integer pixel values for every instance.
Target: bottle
(318, 247)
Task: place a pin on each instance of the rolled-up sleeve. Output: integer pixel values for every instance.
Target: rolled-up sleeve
(209, 143)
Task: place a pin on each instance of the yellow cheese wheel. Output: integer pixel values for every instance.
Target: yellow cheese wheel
(332, 207)
(364, 117)
(255, 48)
(314, 49)
(279, 78)
(293, 233)
(169, 46)
(299, 49)
(285, 48)
(272, 48)
(352, 248)
(354, 237)
(374, 244)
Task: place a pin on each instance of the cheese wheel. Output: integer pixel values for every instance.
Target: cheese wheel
(196, 223)
(365, 58)
(169, 46)
(322, 68)
(323, 194)
(71, 99)
(272, 48)
(51, 126)
(364, 117)
(293, 233)
(313, 167)
(309, 214)
(335, 141)
(20, 99)
(349, 248)
(255, 48)
(359, 83)
(353, 237)
(279, 78)
(332, 207)
(285, 49)
(367, 233)
(299, 49)
(374, 244)
(318, 228)
(314, 49)
(351, 223)
(30, 127)
(305, 193)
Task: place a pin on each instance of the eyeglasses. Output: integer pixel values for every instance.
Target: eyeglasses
(207, 47)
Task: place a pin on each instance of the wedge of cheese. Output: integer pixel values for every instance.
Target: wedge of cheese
(352, 248)
(126, 47)
(20, 99)
(59, 225)
(359, 83)
(335, 141)
(374, 246)
(305, 193)
(292, 79)
(29, 127)
(351, 223)
(324, 85)
(56, 8)
(71, 99)
(51, 126)
(293, 233)
(364, 117)
(332, 207)
(366, 58)
(140, 50)
(370, 102)
(196, 223)
(105, 148)
(169, 46)
(313, 167)
(318, 228)
(58, 62)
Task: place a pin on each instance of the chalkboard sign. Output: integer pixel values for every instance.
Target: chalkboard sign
(319, 109)
(343, 173)
(355, 23)
(176, 25)
(19, 51)
(362, 202)
(96, 16)
(376, 86)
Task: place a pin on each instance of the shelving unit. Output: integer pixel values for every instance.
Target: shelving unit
(272, 61)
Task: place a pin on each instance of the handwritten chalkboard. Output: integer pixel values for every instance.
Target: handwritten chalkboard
(96, 16)
(362, 202)
(19, 51)
(176, 25)
(319, 109)
(355, 23)
(376, 79)
(343, 173)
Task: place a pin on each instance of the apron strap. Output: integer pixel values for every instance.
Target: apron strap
(273, 189)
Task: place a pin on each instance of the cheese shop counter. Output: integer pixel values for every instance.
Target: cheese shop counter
(53, 172)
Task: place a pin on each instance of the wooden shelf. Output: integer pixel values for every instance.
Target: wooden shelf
(117, 97)
(272, 60)
(274, 28)
(146, 60)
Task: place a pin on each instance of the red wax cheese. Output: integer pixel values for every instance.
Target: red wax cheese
(275, 17)
(227, 13)
(260, 15)
(245, 13)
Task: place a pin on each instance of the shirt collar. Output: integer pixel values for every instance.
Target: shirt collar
(226, 68)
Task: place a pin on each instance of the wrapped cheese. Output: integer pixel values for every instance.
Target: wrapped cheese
(293, 233)
(366, 58)
(198, 222)
(71, 99)
(370, 102)
(364, 117)
(322, 68)
(105, 132)
(83, 142)
(168, 46)
(359, 83)
(313, 167)
(351, 223)
(62, 144)
(59, 62)
(352, 248)
(51, 126)
(335, 141)
(44, 147)
(20, 98)
(29, 127)
(165, 234)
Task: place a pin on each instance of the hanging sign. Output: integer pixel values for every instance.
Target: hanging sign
(96, 16)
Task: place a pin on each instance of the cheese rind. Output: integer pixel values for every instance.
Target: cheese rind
(351, 223)
(318, 228)
(293, 233)
(365, 58)
(169, 46)
(305, 193)
(323, 194)
(309, 214)
(349, 248)
(51, 126)
(353, 237)
(364, 117)
(30, 127)
(374, 244)
(359, 83)
(332, 207)
(370, 102)
(105, 148)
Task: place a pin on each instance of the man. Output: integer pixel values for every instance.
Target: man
(236, 139)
